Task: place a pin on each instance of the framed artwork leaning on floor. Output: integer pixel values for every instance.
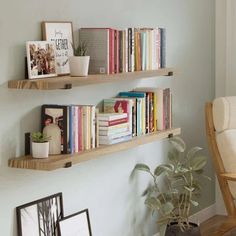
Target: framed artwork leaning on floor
(76, 224)
(40, 217)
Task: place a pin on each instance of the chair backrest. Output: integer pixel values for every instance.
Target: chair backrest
(221, 135)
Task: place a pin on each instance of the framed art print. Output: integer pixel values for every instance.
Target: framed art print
(76, 224)
(40, 59)
(40, 217)
(61, 33)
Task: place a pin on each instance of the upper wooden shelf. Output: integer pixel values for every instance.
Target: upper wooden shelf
(62, 161)
(67, 82)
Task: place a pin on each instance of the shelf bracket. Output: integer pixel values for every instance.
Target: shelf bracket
(68, 164)
(68, 86)
(170, 73)
(170, 135)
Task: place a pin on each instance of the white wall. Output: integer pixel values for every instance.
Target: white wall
(103, 185)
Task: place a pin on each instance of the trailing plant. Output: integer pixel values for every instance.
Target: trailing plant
(39, 137)
(81, 50)
(174, 198)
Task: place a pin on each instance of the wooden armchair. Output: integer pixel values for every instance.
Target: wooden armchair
(221, 136)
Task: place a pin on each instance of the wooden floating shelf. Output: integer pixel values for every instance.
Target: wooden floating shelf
(67, 82)
(63, 161)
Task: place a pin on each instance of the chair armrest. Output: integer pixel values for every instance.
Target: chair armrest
(229, 176)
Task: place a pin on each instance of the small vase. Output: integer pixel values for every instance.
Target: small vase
(174, 230)
(79, 65)
(40, 150)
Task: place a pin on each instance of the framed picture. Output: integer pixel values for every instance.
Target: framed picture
(40, 217)
(76, 224)
(56, 114)
(62, 34)
(40, 59)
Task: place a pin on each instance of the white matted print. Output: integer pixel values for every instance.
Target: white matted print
(62, 34)
(77, 224)
(40, 59)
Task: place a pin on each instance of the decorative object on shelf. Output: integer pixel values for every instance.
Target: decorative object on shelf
(182, 175)
(76, 224)
(40, 59)
(62, 34)
(40, 145)
(79, 63)
(52, 116)
(40, 216)
(53, 130)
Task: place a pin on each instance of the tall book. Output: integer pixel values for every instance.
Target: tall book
(99, 45)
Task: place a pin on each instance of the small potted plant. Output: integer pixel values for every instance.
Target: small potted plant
(174, 199)
(40, 145)
(79, 63)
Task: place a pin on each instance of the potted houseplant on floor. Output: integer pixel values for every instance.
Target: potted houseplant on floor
(79, 63)
(174, 200)
(40, 145)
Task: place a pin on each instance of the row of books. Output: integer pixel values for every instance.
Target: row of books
(132, 49)
(148, 109)
(77, 124)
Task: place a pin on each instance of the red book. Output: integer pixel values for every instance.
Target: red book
(111, 51)
(113, 122)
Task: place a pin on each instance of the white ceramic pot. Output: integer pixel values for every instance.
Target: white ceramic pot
(79, 65)
(40, 150)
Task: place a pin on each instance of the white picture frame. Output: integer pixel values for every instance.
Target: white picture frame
(76, 224)
(61, 33)
(40, 59)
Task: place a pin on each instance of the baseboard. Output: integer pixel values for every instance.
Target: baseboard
(201, 216)
(204, 214)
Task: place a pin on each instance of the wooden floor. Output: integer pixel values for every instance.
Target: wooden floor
(210, 226)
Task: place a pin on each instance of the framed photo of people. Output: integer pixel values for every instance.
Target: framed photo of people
(40, 59)
(61, 33)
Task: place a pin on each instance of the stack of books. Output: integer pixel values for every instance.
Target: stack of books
(132, 49)
(77, 123)
(113, 128)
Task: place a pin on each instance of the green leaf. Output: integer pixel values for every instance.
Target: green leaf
(163, 229)
(163, 168)
(173, 155)
(167, 208)
(194, 203)
(198, 163)
(193, 151)
(178, 143)
(153, 203)
(142, 167)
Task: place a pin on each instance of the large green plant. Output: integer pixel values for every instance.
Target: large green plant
(181, 185)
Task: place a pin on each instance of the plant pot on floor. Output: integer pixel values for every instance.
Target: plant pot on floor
(40, 150)
(174, 230)
(79, 65)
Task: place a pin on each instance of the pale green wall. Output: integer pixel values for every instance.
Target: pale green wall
(103, 185)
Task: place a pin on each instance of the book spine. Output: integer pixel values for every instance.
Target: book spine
(96, 128)
(93, 127)
(120, 51)
(139, 114)
(129, 48)
(147, 113)
(75, 130)
(132, 50)
(143, 48)
(111, 51)
(163, 48)
(71, 138)
(126, 50)
(117, 51)
(151, 112)
(113, 122)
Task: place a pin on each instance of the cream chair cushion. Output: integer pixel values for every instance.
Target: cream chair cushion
(224, 118)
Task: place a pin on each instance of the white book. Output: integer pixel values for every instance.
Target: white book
(117, 140)
(114, 126)
(111, 116)
(113, 136)
(112, 131)
(93, 126)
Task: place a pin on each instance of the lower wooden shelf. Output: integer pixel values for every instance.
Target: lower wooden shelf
(63, 161)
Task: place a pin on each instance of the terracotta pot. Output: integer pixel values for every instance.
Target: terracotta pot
(40, 150)
(79, 65)
(174, 230)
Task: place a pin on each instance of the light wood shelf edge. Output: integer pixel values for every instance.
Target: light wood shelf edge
(60, 161)
(66, 82)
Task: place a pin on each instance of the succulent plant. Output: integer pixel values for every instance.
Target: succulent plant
(81, 50)
(39, 137)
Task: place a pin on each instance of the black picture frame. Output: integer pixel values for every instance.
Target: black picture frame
(40, 217)
(71, 225)
(61, 122)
